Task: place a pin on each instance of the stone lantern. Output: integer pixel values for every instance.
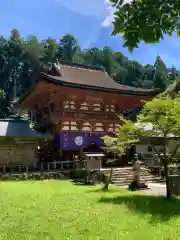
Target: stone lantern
(136, 183)
(137, 172)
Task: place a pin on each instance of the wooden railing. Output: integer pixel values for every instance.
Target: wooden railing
(52, 166)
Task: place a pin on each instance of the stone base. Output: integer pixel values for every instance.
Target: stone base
(134, 186)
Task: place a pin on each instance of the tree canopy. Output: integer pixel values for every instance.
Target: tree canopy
(158, 119)
(22, 59)
(124, 137)
(145, 20)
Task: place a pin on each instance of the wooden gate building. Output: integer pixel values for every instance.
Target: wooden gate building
(79, 104)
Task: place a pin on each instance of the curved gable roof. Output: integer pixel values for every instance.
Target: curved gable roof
(87, 77)
(90, 77)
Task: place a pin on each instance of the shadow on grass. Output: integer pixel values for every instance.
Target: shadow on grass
(81, 183)
(160, 208)
(111, 190)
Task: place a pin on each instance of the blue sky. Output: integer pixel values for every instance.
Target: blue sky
(82, 18)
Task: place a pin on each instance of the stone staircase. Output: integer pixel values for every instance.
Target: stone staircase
(124, 176)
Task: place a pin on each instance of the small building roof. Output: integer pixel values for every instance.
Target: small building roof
(94, 154)
(149, 127)
(145, 126)
(13, 127)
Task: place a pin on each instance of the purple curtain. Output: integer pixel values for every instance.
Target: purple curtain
(78, 140)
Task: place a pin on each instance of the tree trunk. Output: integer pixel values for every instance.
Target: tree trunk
(87, 177)
(168, 189)
(166, 173)
(107, 181)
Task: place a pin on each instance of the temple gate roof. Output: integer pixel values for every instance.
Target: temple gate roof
(87, 78)
(91, 77)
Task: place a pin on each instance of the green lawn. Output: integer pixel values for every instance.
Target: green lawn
(59, 210)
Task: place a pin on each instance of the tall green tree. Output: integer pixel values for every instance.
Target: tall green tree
(149, 76)
(173, 89)
(13, 67)
(50, 52)
(161, 74)
(4, 106)
(69, 47)
(93, 57)
(120, 71)
(135, 73)
(108, 60)
(117, 145)
(163, 113)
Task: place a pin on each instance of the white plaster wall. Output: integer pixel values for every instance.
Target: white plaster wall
(144, 148)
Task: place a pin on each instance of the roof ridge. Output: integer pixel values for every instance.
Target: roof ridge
(81, 66)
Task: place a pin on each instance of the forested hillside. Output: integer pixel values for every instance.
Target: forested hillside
(22, 59)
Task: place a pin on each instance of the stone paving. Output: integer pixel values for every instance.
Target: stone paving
(156, 189)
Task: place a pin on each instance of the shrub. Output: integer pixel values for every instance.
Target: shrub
(77, 174)
(31, 176)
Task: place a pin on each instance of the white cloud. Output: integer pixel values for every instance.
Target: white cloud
(110, 17)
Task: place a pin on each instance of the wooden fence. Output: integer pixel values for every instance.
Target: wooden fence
(89, 164)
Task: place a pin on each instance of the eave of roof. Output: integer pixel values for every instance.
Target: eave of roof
(58, 81)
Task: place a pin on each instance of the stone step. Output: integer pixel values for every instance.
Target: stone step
(131, 178)
(122, 182)
(124, 176)
(122, 179)
(125, 172)
(126, 182)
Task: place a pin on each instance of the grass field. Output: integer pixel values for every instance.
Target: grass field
(59, 210)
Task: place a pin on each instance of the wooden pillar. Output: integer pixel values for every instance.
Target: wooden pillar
(99, 163)
(41, 167)
(54, 165)
(81, 153)
(48, 167)
(61, 165)
(60, 151)
(81, 158)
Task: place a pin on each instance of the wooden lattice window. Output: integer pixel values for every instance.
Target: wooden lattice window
(79, 125)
